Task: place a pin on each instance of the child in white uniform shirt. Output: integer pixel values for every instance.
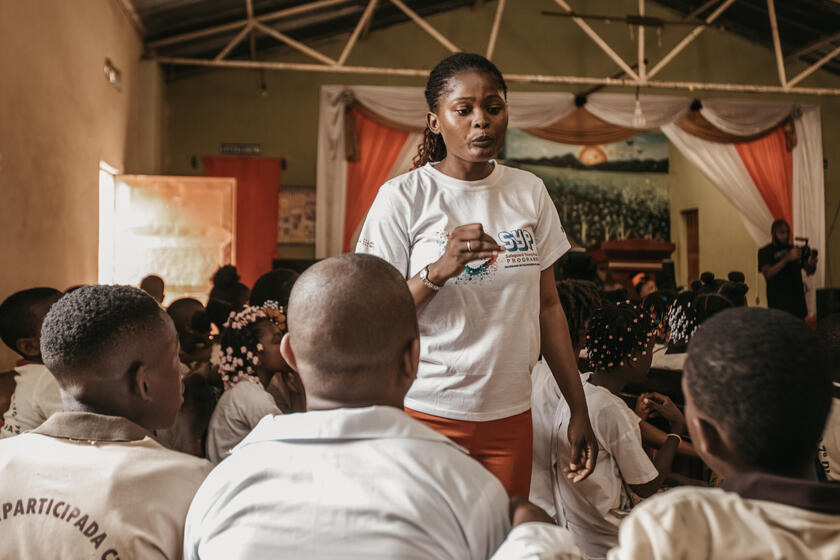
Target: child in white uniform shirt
(250, 358)
(92, 482)
(758, 391)
(355, 477)
(618, 342)
(36, 395)
(579, 299)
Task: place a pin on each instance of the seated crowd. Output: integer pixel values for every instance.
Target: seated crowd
(269, 423)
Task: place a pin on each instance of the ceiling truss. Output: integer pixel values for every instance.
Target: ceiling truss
(636, 76)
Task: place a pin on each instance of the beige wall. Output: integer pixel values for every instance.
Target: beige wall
(212, 107)
(725, 244)
(58, 118)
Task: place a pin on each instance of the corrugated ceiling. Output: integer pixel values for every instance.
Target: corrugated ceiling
(809, 29)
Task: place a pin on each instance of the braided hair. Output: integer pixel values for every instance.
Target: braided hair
(580, 299)
(681, 322)
(618, 333)
(432, 147)
(241, 346)
(228, 295)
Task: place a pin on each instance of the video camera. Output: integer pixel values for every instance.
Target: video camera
(807, 251)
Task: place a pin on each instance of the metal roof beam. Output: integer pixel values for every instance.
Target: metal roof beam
(688, 39)
(530, 78)
(234, 42)
(297, 45)
(215, 30)
(640, 54)
(598, 40)
(820, 43)
(777, 46)
(364, 22)
(494, 32)
(814, 67)
(426, 26)
(702, 9)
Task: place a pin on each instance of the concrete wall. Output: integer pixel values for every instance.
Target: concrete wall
(58, 118)
(225, 106)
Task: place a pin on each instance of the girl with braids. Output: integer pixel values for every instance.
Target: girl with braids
(618, 342)
(476, 242)
(250, 358)
(579, 299)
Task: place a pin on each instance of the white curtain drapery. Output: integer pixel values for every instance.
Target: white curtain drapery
(722, 165)
(406, 107)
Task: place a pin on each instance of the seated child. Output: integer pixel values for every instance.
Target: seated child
(271, 292)
(250, 358)
(189, 432)
(92, 482)
(355, 477)
(227, 296)
(153, 285)
(644, 285)
(579, 298)
(829, 451)
(758, 391)
(193, 326)
(690, 309)
(618, 340)
(35, 397)
(274, 286)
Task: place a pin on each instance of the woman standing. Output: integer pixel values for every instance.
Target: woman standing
(477, 241)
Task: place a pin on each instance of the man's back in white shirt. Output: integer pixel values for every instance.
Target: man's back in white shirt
(347, 483)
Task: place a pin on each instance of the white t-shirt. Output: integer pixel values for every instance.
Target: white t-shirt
(545, 399)
(347, 483)
(239, 409)
(594, 507)
(480, 334)
(35, 399)
(829, 450)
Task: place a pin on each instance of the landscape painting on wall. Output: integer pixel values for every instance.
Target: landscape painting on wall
(611, 191)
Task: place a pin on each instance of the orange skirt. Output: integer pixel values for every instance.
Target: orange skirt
(504, 446)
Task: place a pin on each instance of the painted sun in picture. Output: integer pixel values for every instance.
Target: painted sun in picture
(592, 155)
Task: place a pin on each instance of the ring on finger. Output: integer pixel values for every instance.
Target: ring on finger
(469, 247)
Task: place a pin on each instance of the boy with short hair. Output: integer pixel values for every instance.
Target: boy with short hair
(104, 487)
(354, 477)
(35, 397)
(757, 390)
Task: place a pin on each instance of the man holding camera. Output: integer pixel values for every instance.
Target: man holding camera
(782, 263)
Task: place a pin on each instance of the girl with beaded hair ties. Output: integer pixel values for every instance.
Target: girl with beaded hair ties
(619, 340)
(250, 359)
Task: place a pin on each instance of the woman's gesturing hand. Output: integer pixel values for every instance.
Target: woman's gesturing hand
(584, 448)
(466, 243)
